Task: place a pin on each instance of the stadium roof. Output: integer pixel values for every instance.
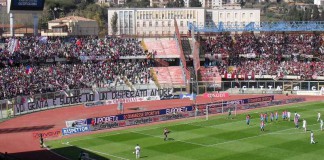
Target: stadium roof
(70, 18)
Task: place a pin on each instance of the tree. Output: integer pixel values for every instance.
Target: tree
(316, 15)
(307, 14)
(322, 16)
(195, 3)
(113, 24)
(175, 4)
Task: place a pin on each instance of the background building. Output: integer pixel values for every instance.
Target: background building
(3, 2)
(160, 21)
(71, 25)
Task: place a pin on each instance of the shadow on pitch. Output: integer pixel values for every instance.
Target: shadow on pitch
(69, 152)
(25, 129)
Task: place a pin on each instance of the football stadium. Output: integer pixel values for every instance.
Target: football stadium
(158, 83)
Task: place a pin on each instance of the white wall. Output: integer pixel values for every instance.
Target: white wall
(157, 20)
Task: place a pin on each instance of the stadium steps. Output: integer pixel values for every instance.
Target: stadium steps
(161, 63)
(186, 47)
(193, 75)
(155, 79)
(169, 76)
(174, 72)
(128, 83)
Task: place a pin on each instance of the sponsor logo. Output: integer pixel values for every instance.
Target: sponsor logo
(216, 95)
(141, 114)
(47, 134)
(106, 126)
(76, 123)
(92, 104)
(190, 96)
(75, 130)
(176, 110)
(105, 119)
(260, 99)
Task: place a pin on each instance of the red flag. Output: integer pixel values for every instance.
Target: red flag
(17, 45)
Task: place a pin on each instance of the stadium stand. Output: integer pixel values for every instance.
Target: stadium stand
(169, 75)
(293, 54)
(163, 48)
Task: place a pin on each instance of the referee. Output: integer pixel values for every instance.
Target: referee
(166, 132)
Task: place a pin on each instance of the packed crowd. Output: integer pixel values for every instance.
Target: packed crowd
(267, 54)
(37, 49)
(23, 70)
(40, 79)
(265, 44)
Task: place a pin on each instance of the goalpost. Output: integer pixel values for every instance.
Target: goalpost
(223, 110)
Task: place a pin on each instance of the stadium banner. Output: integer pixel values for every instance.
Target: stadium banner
(127, 116)
(216, 95)
(134, 99)
(47, 134)
(28, 104)
(76, 123)
(75, 130)
(310, 93)
(190, 96)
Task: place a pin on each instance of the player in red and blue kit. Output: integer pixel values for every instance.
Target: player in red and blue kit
(276, 114)
(266, 117)
(296, 122)
(261, 117)
(262, 126)
(271, 116)
(248, 117)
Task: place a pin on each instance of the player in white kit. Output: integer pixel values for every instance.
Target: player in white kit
(318, 116)
(288, 116)
(321, 125)
(305, 125)
(137, 151)
(312, 138)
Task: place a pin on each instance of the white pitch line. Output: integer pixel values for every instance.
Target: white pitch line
(216, 144)
(98, 152)
(198, 144)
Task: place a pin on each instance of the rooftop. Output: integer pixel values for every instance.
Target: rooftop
(71, 18)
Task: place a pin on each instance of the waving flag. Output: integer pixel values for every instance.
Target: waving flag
(29, 69)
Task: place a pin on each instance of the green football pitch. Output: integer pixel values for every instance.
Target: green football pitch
(200, 139)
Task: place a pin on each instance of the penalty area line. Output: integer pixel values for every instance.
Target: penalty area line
(94, 151)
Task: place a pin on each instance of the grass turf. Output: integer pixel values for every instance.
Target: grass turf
(216, 138)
